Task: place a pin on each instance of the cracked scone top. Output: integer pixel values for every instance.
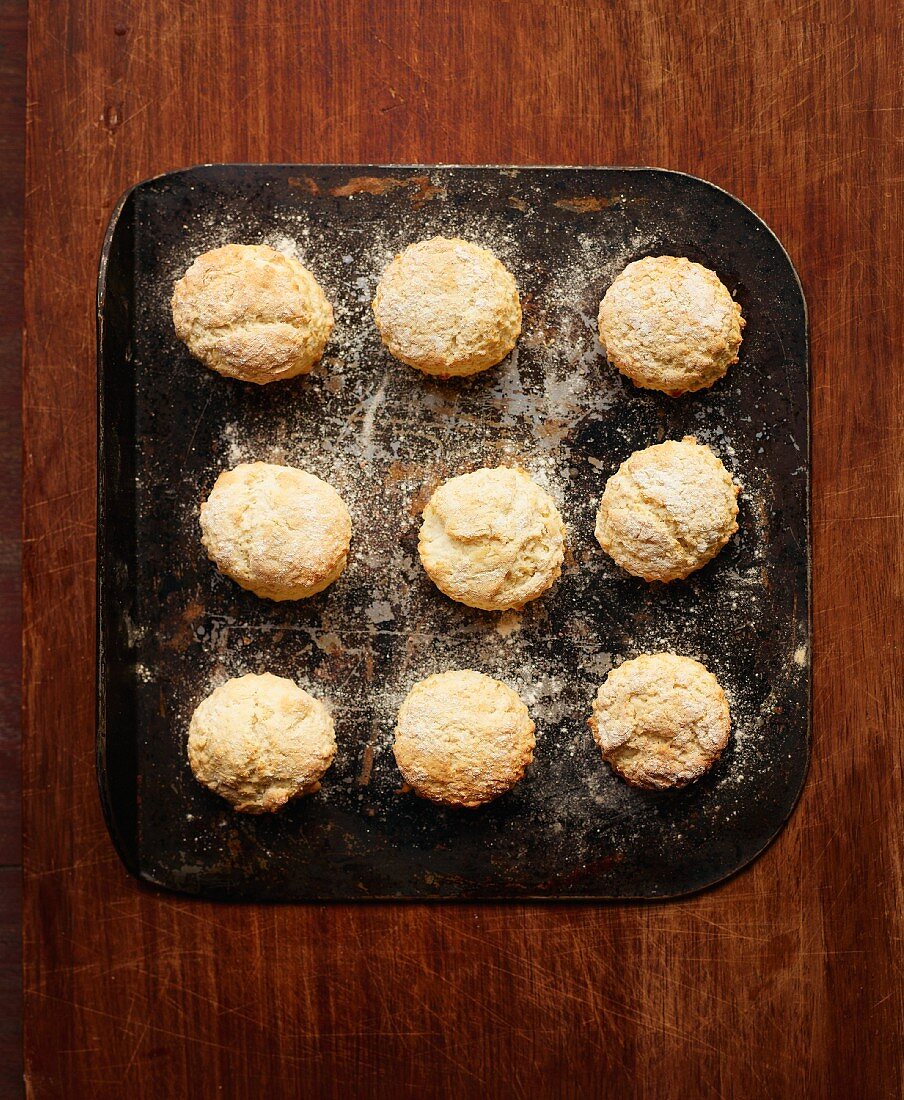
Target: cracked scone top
(670, 324)
(492, 539)
(260, 740)
(462, 738)
(447, 307)
(250, 312)
(660, 720)
(667, 510)
(276, 530)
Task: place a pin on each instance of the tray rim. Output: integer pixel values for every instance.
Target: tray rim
(126, 845)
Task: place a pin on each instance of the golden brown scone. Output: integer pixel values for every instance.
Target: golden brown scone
(462, 738)
(660, 720)
(250, 312)
(447, 307)
(492, 539)
(667, 510)
(670, 324)
(278, 531)
(259, 741)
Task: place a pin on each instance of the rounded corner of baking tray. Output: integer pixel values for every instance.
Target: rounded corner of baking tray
(710, 186)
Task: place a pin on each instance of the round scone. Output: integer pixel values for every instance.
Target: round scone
(667, 510)
(660, 720)
(462, 738)
(670, 324)
(259, 741)
(492, 539)
(447, 307)
(278, 531)
(250, 312)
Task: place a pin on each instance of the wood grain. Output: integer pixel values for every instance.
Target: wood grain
(12, 186)
(784, 982)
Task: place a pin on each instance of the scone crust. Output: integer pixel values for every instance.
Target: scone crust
(667, 510)
(492, 539)
(447, 307)
(260, 740)
(660, 720)
(670, 324)
(462, 738)
(250, 312)
(278, 531)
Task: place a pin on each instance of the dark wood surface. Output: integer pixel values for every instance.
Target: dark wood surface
(784, 982)
(12, 158)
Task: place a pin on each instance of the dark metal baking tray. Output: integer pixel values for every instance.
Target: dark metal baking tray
(170, 627)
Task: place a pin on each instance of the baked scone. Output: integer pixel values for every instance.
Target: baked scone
(660, 720)
(259, 741)
(670, 324)
(462, 738)
(278, 531)
(492, 539)
(667, 510)
(250, 312)
(447, 307)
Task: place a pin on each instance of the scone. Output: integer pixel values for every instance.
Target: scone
(278, 531)
(447, 307)
(492, 539)
(462, 738)
(250, 312)
(667, 510)
(670, 324)
(260, 740)
(660, 720)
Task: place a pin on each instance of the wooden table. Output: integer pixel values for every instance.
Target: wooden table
(783, 983)
(12, 184)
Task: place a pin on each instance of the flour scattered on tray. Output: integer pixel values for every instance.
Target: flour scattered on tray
(384, 436)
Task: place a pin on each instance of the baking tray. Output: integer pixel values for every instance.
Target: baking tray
(170, 627)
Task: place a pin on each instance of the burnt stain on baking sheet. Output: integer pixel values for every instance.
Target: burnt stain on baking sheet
(420, 188)
(367, 764)
(171, 627)
(589, 204)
